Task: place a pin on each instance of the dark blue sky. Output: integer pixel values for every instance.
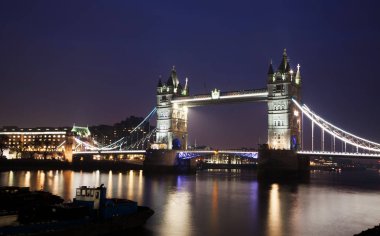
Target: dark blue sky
(93, 62)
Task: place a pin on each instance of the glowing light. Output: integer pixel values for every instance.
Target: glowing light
(325, 153)
(259, 93)
(194, 154)
(111, 152)
(32, 133)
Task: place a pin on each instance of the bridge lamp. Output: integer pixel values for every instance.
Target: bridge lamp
(296, 113)
(291, 75)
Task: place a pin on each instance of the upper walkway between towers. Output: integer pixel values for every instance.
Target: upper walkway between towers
(217, 97)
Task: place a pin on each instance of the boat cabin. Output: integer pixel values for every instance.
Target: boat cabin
(90, 197)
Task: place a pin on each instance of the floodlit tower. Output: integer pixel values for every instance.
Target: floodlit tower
(284, 119)
(171, 118)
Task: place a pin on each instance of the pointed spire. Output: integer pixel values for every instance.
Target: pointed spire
(173, 79)
(298, 75)
(185, 90)
(270, 69)
(284, 66)
(186, 81)
(159, 81)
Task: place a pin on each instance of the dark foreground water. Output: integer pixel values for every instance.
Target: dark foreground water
(222, 202)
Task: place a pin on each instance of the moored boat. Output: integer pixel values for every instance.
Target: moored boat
(90, 213)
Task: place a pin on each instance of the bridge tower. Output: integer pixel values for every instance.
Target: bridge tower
(171, 118)
(284, 118)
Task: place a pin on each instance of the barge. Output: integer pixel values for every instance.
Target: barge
(90, 213)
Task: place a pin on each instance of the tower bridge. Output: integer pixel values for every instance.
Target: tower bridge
(286, 111)
(283, 85)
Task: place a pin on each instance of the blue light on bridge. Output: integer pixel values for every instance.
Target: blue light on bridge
(188, 155)
(195, 154)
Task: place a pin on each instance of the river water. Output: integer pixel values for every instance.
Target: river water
(230, 202)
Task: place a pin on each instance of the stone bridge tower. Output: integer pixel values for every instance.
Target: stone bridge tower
(284, 119)
(171, 118)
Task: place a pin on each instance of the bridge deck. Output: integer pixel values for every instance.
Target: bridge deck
(341, 154)
(253, 95)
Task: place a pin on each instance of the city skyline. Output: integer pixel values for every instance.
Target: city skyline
(98, 63)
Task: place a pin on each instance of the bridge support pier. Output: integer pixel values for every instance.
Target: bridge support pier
(166, 161)
(281, 163)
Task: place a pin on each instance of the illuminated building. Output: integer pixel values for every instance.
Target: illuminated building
(28, 141)
(284, 120)
(171, 119)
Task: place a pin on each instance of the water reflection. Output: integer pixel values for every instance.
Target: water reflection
(274, 211)
(119, 185)
(176, 211)
(130, 185)
(10, 178)
(97, 178)
(27, 178)
(229, 202)
(109, 184)
(140, 187)
(67, 182)
(215, 206)
(41, 179)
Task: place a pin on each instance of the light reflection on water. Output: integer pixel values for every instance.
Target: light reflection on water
(274, 211)
(230, 202)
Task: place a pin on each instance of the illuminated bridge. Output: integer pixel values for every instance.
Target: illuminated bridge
(286, 120)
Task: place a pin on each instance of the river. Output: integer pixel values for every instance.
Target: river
(230, 202)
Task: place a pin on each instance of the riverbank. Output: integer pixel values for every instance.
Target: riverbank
(31, 164)
(91, 165)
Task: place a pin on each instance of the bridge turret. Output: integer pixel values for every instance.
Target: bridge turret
(159, 85)
(270, 72)
(298, 75)
(171, 118)
(284, 118)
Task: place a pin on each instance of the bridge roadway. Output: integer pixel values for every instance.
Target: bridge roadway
(253, 95)
(247, 154)
(181, 154)
(341, 154)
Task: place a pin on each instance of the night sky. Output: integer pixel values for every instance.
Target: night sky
(98, 62)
